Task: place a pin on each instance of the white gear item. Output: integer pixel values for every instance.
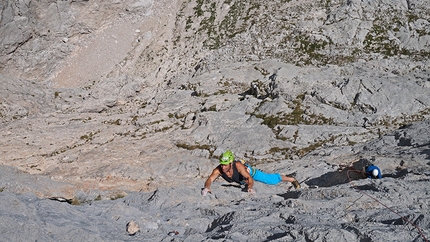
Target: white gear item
(375, 173)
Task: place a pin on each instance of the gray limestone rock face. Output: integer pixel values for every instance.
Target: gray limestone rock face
(265, 110)
(114, 113)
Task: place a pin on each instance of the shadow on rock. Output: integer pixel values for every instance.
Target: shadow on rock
(290, 195)
(222, 224)
(276, 236)
(398, 173)
(426, 152)
(345, 175)
(368, 187)
(231, 185)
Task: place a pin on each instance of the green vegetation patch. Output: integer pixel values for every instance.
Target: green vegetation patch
(113, 122)
(90, 136)
(117, 196)
(311, 49)
(195, 147)
(218, 30)
(286, 152)
(378, 39)
(303, 151)
(297, 116)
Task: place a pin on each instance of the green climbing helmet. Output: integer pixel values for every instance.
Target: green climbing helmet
(226, 158)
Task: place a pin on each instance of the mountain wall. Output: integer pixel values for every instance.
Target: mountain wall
(100, 99)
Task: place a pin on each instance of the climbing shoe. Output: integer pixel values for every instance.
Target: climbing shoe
(296, 184)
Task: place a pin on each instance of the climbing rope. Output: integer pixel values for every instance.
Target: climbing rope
(392, 210)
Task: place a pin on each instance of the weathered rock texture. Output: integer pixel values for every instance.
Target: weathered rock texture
(339, 207)
(100, 99)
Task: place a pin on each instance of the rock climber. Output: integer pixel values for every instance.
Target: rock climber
(236, 171)
(373, 171)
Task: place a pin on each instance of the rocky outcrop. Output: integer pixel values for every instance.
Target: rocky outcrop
(333, 203)
(77, 133)
(38, 37)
